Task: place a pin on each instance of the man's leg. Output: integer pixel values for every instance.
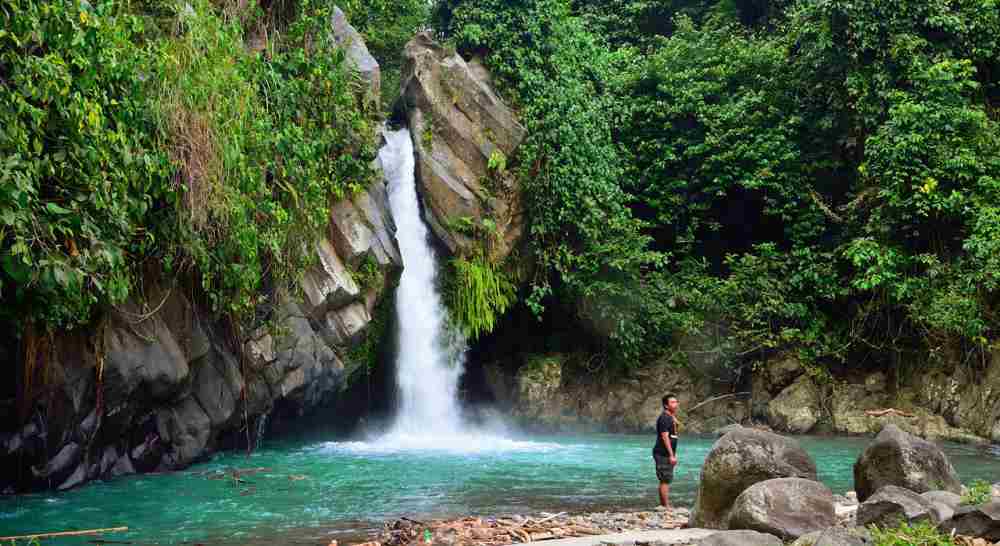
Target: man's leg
(665, 495)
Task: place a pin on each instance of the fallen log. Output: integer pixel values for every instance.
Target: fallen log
(889, 411)
(64, 534)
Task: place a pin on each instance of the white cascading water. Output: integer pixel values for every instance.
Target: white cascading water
(430, 356)
(429, 362)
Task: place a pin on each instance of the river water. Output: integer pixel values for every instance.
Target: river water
(316, 489)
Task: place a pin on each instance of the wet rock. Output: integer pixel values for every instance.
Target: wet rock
(720, 432)
(345, 36)
(891, 505)
(78, 477)
(737, 461)
(217, 387)
(740, 538)
(901, 459)
(977, 521)
(459, 124)
(785, 507)
(122, 467)
(146, 455)
(108, 460)
(796, 409)
(836, 536)
(186, 428)
(62, 464)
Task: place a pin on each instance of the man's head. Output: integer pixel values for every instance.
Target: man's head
(670, 403)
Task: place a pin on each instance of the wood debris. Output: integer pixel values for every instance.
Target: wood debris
(889, 411)
(516, 529)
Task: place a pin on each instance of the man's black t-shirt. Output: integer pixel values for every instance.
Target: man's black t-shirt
(665, 423)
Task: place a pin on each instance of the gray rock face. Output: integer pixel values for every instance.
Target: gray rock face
(737, 461)
(740, 538)
(977, 521)
(458, 125)
(720, 432)
(899, 458)
(186, 428)
(891, 505)
(836, 536)
(796, 409)
(785, 507)
(345, 36)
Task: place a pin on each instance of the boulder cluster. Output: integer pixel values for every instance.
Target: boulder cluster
(760, 488)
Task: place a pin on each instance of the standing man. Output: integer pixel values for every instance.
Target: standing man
(665, 450)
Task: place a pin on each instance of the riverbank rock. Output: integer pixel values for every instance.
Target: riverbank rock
(891, 505)
(720, 432)
(836, 536)
(737, 461)
(898, 458)
(740, 538)
(978, 521)
(796, 408)
(463, 135)
(943, 504)
(785, 507)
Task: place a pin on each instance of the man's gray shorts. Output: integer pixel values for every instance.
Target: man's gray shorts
(664, 470)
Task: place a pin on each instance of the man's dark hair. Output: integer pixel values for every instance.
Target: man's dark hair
(666, 398)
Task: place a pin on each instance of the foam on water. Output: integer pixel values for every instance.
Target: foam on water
(473, 443)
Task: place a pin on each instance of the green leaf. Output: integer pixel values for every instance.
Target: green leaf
(56, 209)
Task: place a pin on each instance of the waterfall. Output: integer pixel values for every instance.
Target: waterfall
(430, 358)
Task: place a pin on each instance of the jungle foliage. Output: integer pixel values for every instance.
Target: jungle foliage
(202, 139)
(821, 176)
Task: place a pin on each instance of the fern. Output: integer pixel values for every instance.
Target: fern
(481, 292)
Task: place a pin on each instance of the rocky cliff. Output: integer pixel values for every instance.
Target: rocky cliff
(463, 134)
(557, 391)
(158, 383)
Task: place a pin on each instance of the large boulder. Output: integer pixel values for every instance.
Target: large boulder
(796, 409)
(740, 538)
(463, 134)
(836, 536)
(737, 461)
(784, 507)
(892, 505)
(977, 521)
(899, 458)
